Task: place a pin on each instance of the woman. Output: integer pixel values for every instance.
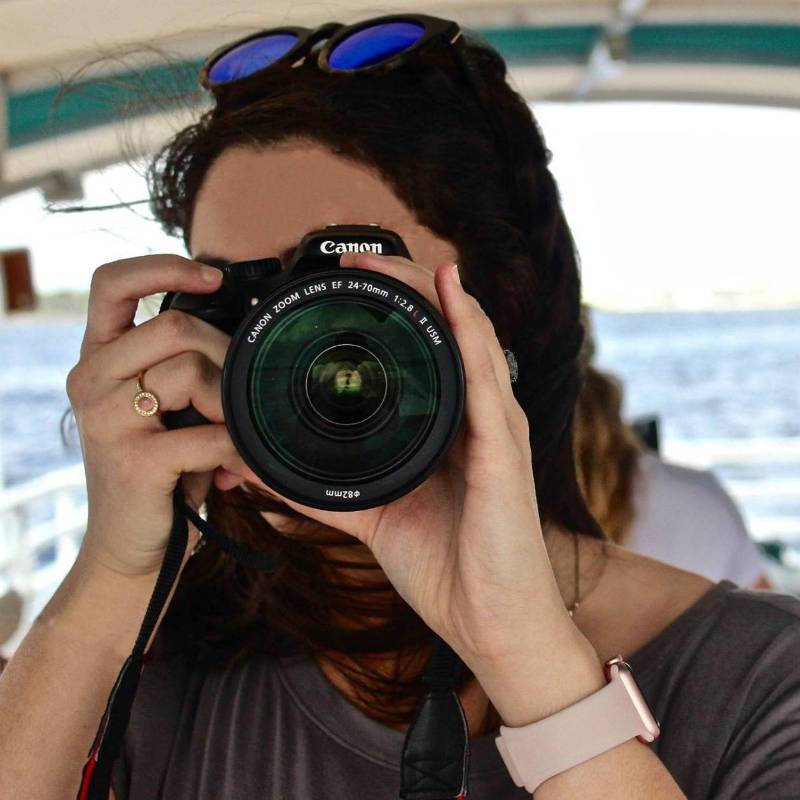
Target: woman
(495, 552)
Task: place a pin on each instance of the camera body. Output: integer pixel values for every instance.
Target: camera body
(342, 388)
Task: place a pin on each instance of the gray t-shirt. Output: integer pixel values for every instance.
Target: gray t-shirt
(723, 679)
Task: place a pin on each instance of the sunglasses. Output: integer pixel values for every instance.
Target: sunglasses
(371, 46)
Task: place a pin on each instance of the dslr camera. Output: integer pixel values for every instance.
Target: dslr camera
(342, 388)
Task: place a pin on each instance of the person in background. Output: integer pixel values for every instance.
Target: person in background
(669, 512)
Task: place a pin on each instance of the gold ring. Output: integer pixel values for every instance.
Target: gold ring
(149, 407)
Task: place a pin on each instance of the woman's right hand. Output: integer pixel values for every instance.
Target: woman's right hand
(132, 462)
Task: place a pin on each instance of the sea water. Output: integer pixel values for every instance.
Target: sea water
(725, 387)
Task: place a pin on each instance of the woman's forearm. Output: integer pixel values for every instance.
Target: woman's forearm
(539, 682)
(54, 690)
(629, 771)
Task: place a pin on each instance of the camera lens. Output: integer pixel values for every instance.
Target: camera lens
(330, 397)
(331, 393)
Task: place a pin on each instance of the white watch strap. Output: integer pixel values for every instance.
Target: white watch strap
(533, 753)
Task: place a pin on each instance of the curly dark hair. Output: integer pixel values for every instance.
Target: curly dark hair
(420, 128)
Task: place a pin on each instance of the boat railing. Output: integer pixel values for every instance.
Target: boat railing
(42, 523)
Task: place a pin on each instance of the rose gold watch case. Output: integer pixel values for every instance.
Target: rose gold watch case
(618, 669)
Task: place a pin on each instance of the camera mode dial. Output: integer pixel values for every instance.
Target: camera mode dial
(252, 271)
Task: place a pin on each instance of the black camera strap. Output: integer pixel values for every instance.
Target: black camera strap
(435, 758)
(96, 778)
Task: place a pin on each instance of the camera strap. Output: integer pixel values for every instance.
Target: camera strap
(435, 757)
(96, 777)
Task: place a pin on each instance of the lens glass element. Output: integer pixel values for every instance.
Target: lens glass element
(343, 388)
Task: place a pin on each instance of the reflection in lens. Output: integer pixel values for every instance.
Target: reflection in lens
(346, 384)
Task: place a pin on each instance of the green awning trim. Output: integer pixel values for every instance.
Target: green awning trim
(48, 112)
(564, 44)
(777, 45)
(56, 110)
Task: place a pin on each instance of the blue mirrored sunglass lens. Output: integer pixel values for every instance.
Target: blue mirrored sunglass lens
(250, 57)
(373, 45)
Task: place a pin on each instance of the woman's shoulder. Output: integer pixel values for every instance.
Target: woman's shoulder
(643, 605)
(773, 608)
(735, 623)
(723, 678)
(682, 623)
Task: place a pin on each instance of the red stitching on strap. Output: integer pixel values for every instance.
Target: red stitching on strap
(87, 775)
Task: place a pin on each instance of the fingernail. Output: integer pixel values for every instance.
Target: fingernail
(210, 274)
(456, 274)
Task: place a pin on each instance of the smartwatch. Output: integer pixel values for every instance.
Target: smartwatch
(608, 717)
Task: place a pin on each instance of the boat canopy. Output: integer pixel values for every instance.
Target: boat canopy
(91, 83)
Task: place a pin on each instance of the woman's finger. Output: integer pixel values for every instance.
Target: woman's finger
(485, 405)
(517, 419)
(417, 277)
(117, 288)
(111, 414)
(183, 379)
(201, 448)
(158, 339)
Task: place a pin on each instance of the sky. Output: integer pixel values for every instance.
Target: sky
(671, 206)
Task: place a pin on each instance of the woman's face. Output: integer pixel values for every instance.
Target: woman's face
(261, 202)
(258, 203)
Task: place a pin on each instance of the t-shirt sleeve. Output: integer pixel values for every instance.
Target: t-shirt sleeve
(762, 760)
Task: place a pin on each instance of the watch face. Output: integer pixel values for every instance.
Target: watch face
(618, 669)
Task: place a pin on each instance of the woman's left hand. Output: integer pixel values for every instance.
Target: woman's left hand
(465, 548)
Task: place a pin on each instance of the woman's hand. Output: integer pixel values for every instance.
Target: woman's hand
(465, 548)
(133, 463)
